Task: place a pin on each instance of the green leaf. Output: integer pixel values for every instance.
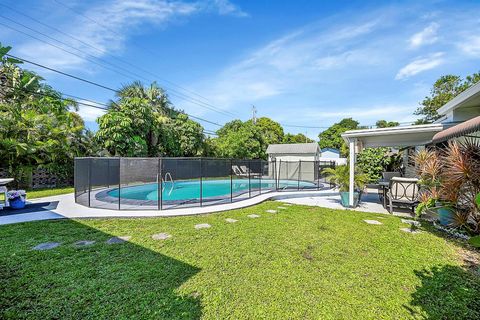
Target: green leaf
(475, 241)
(477, 200)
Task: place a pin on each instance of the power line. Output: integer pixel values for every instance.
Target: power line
(177, 93)
(95, 102)
(141, 46)
(136, 75)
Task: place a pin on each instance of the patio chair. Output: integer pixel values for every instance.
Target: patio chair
(387, 176)
(239, 172)
(403, 192)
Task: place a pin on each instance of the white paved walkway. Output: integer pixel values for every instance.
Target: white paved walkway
(67, 208)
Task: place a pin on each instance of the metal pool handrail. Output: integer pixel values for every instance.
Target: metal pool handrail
(168, 174)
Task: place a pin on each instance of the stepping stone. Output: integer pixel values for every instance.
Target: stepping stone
(229, 220)
(253, 216)
(373, 222)
(116, 240)
(46, 246)
(410, 230)
(161, 236)
(380, 217)
(271, 211)
(281, 208)
(202, 226)
(288, 204)
(83, 243)
(411, 222)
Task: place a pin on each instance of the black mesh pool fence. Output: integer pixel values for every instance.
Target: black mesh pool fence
(166, 183)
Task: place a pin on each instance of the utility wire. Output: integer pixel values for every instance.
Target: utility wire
(153, 54)
(113, 67)
(95, 104)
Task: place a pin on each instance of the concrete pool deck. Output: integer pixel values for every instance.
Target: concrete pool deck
(68, 209)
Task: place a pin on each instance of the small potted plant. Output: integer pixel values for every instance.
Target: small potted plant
(340, 176)
(17, 198)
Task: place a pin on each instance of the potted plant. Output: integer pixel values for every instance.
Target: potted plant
(340, 176)
(17, 198)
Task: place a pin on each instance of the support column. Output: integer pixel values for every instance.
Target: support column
(352, 171)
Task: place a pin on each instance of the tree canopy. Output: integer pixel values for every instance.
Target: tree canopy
(37, 125)
(386, 124)
(444, 89)
(143, 122)
(296, 138)
(331, 138)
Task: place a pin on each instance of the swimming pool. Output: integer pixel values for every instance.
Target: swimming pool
(210, 189)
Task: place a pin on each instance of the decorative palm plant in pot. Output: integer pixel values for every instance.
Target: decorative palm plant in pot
(340, 176)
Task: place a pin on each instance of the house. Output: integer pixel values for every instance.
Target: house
(460, 119)
(333, 155)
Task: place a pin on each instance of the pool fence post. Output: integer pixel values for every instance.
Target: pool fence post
(278, 173)
(260, 177)
(201, 182)
(231, 180)
(318, 174)
(119, 182)
(159, 184)
(249, 183)
(298, 176)
(89, 179)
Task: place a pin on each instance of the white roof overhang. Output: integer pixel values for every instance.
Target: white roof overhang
(467, 99)
(401, 136)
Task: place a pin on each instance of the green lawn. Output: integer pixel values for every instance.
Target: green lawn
(40, 193)
(302, 263)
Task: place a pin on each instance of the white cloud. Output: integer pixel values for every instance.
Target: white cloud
(419, 65)
(426, 36)
(225, 7)
(471, 45)
(90, 113)
(109, 25)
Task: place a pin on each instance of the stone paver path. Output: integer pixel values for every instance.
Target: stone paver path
(161, 236)
(116, 240)
(253, 216)
(230, 220)
(202, 226)
(411, 222)
(282, 208)
(46, 246)
(83, 243)
(410, 230)
(373, 222)
(271, 211)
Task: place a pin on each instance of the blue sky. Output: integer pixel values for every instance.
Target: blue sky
(306, 63)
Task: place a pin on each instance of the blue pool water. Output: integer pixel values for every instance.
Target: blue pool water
(185, 190)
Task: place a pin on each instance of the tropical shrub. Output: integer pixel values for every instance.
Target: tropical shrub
(340, 176)
(450, 177)
(374, 161)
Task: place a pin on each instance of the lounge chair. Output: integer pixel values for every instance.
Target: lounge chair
(239, 172)
(403, 192)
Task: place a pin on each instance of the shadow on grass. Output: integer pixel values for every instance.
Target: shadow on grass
(100, 281)
(447, 292)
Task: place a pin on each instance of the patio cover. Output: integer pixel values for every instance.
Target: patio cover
(462, 129)
(401, 136)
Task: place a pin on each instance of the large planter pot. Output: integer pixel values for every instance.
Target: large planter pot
(344, 195)
(18, 203)
(445, 215)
